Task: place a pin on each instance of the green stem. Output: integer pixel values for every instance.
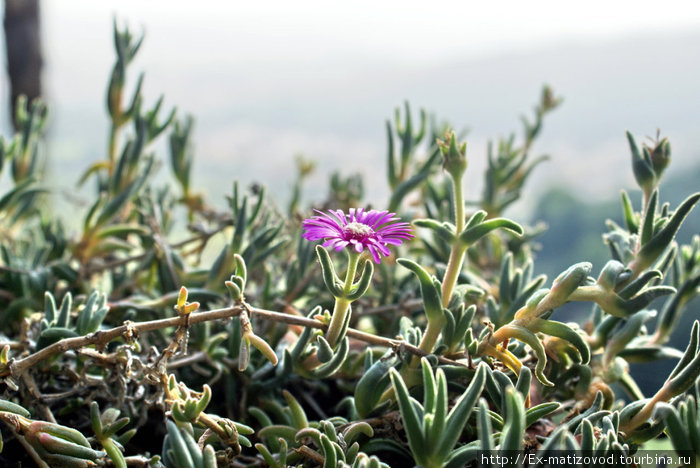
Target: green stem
(635, 265)
(342, 305)
(591, 293)
(454, 265)
(113, 136)
(427, 343)
(430, 337)
(431, 463)
(646, 412)
(459, 205)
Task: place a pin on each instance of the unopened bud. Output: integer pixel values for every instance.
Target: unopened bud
(454, 155)
(660, 156)
(642, 166)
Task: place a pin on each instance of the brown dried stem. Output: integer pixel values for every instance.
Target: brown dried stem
(130, 330)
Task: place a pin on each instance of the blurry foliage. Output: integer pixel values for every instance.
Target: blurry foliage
(120, 330)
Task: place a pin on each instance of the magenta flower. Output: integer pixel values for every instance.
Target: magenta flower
(372, 230)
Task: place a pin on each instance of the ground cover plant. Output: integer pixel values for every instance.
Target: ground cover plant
(412, 333)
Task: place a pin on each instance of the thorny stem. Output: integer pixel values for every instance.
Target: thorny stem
(130, 330)
(342, 304)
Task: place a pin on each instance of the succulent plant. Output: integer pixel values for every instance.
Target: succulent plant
(226, 342)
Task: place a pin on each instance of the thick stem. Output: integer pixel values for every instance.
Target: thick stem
(459, 205)
(431, 463)
(454, 265)
(427, 343)
(587, 293)
(430, 337)
(646, 412)
(342, 305)
(353, 260)
(340, 311)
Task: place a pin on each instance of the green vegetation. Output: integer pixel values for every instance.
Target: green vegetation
(349, 337)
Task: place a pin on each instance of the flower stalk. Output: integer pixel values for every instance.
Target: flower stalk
(455, 163)
(341, 309)
(357, 231)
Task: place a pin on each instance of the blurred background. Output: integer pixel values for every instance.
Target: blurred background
(267, 81)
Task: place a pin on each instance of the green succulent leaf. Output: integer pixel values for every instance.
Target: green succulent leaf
(472, 234)
(432, 302)
(514, 429)
(662, 239)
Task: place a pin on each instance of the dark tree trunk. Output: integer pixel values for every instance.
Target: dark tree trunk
(23, 44)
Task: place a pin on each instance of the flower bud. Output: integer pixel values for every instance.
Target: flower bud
(565, 284)
(660, 156)
(642, 166)
(454, 155)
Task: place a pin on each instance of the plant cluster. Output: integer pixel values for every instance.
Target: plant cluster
(171, 332)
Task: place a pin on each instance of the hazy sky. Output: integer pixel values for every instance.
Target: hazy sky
(267, 80)
(403, 30)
